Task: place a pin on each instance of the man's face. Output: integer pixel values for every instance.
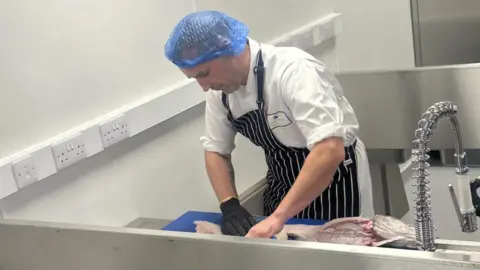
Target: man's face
(219, 74)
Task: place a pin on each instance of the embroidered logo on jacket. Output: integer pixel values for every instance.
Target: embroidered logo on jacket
(278, 119)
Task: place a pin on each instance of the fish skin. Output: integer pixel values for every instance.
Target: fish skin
(400, 234)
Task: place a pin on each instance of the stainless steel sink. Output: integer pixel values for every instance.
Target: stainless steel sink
(458, 250)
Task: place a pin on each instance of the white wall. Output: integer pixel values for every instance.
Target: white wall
(378, 35)
(92, 56)
(115, 54)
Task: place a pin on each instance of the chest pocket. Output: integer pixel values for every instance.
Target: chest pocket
(278, 119)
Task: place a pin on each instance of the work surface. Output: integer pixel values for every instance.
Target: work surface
(54, 246)
(185, 222)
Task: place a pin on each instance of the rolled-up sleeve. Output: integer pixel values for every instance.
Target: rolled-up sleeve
(220, 135)
(310, 96)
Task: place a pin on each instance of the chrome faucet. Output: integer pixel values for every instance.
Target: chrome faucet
(424, 229)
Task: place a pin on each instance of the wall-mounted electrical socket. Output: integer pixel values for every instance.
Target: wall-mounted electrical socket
(69, 151)
(114, 130)
(24, 172)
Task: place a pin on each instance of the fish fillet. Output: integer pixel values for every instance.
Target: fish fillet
(377, 231)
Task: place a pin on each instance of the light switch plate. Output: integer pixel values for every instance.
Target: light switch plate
(69, 151)
(114, 130)
(325, 31)
(24, 172)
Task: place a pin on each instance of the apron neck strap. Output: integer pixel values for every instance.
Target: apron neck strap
(259, 71)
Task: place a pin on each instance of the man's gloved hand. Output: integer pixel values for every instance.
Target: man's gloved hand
(236, 220)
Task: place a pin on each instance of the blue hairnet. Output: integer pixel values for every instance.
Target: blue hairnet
(202, 36)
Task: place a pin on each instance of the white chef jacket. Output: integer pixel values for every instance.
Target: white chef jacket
(304, 103)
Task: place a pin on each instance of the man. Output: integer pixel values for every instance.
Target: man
(285, 101)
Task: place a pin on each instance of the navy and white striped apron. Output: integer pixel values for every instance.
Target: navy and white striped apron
(340, 199)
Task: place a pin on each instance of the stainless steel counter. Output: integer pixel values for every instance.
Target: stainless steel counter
(54, 246)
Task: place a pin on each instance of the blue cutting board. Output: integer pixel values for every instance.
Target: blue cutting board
(185, 222)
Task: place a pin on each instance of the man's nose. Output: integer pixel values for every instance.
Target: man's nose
(205, 86)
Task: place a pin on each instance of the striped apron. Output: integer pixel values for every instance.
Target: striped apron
(340, 199)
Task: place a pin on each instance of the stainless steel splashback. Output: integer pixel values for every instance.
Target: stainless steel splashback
(446, 32)
(389, 104)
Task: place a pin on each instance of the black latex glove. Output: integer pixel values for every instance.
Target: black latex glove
(236, 220)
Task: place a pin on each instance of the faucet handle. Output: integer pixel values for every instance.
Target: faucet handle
(455, 204)
(475, 189)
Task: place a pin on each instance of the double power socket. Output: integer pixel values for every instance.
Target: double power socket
(70, 150)
(114, 130)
